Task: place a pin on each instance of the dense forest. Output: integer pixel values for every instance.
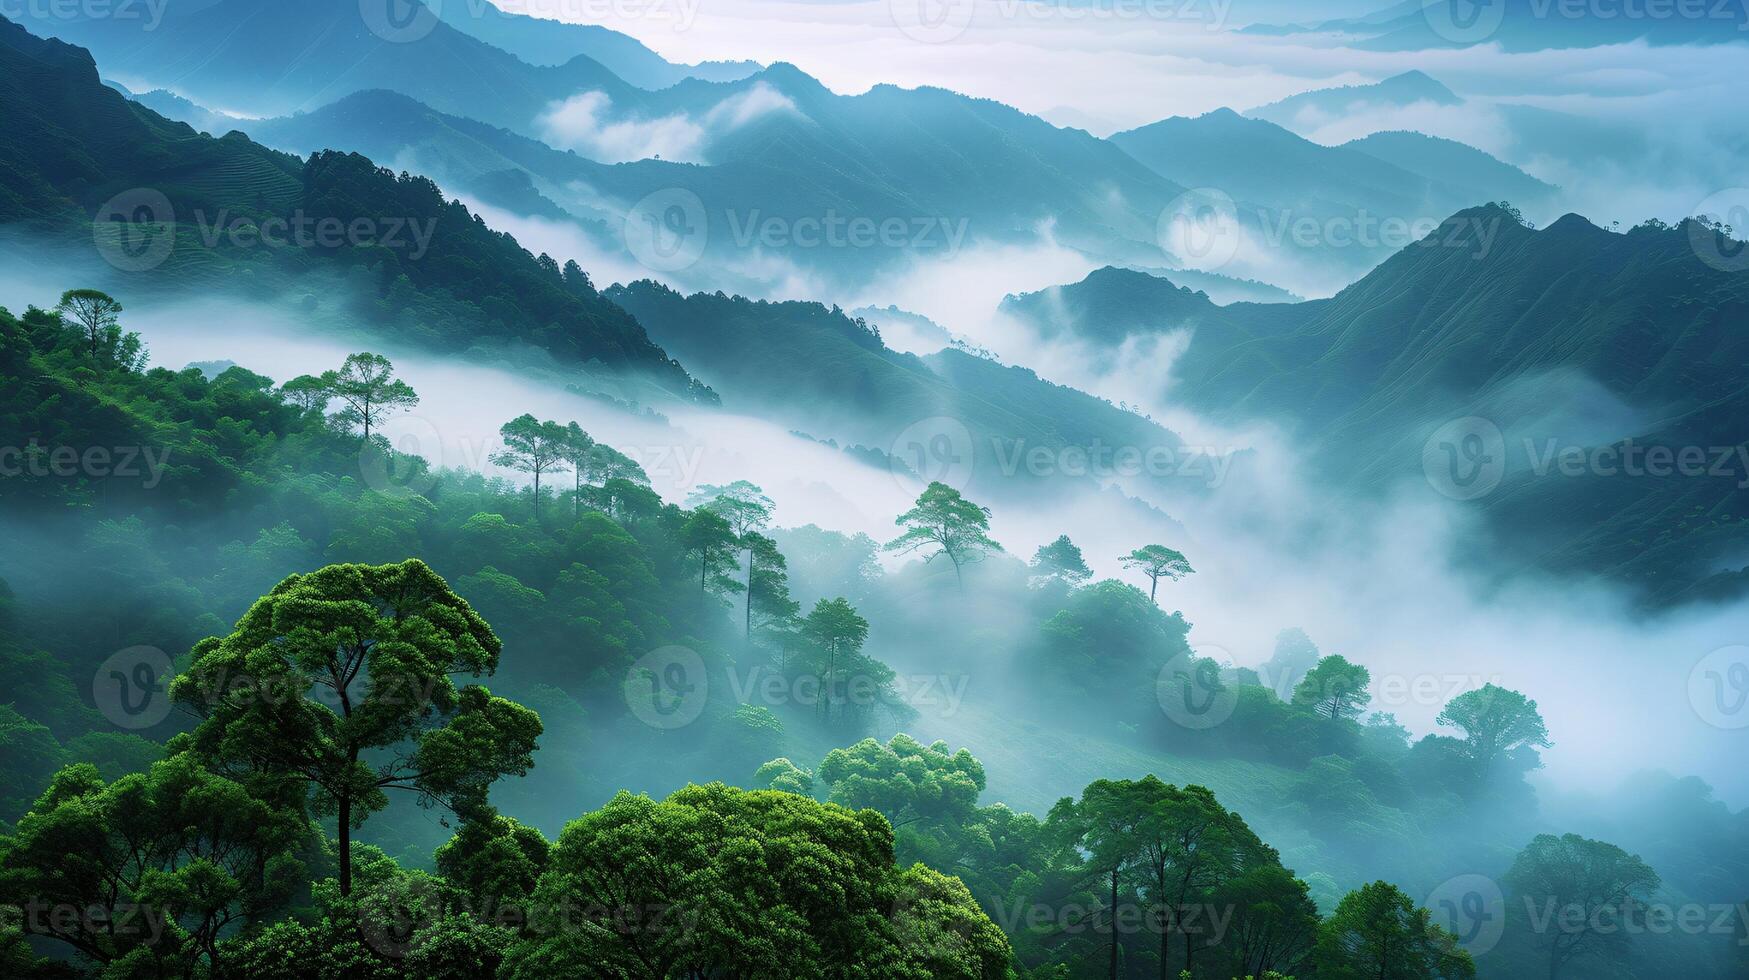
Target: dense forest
(332, 612)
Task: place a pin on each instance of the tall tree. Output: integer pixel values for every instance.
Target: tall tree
(578, 451)
(748, 511)
(837, 632)
(769, 605)
(710, 541)
(1189, 845)
(1157, 562)
(341, 680)
(1104, 824)
(533, 446)
(1495, 721)
(1378, 933)
(1061, 559)
(1567, 884)
(307, 392)
(1335, 688)
(1275, 921)
(367, 385)
(949, 524)
(96, 313)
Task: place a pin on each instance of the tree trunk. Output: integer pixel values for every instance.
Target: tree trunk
(1113, 924)
(537, 496)
(345, 824)
(750, 595)
(1154, 590)
(1165, 942)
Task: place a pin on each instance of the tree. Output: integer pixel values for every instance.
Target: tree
(949, 523)
(578, 450)
(769, 605)
(1104, 825)
(533, 446)
(748, 511)
(307, 392)
(1335, 688)
(1580, 894)
(96, 313)
(1157, 562)
(159, 864)
(1378, 933)
(340, 680)
(1275, 921)
(1061, 560)
(710, 541)
(1495, 721)
(1189, 845)
(718, 881)
(905, 780)
(836, 631)
(367, 385)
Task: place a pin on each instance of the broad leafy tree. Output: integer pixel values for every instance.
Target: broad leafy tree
(837, 632)
(96, 314)
(1334, 689)
(710, 542)
(1061, 559)
(946, 524)
(1579, 895)
(341, 681)
(1379, 933)
(1495, 721)
(578, 452)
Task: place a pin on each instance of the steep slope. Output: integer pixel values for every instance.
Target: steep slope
(1567, 339)
(1309, 108)
(1465, 170)
(176, 209)
(839, 380)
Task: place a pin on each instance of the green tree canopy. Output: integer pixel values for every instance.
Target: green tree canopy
(1335, 688)
(366, 385)
(1061, 559)
(945, 523)
(1378, 933)
(534, 447)
(1579, 895)
(1495, 721)
(1156, 561)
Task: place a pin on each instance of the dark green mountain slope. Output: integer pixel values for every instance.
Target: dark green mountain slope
(1570, 338)
(817, 369)
(72, 148)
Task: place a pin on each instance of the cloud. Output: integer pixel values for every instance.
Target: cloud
(588, 124)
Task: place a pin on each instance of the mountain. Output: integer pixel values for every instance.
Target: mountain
(1469, 172)
(841, 381)
(922, 172)
(549, 43)
(79, 164)
(266, 58)
(1570, 338)
(1309, 110)
(1530, 25)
